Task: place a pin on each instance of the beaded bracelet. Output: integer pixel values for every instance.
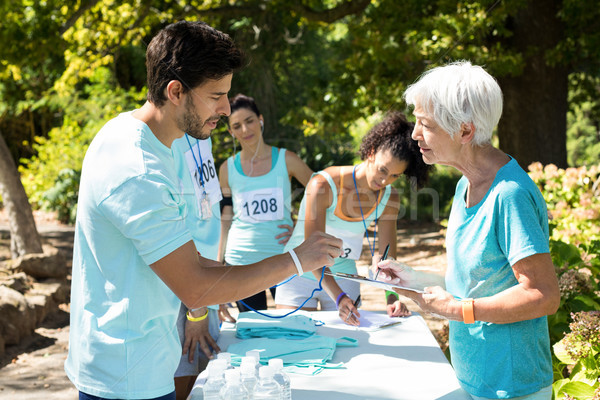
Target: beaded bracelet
(337, 301)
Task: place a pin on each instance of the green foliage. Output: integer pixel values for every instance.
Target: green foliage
(580, 350)
(64, 148)
(573, 199)
(583, 132)
(62, 197)
(577, 269)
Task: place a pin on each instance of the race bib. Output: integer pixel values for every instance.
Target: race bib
(205, 173)
(260, 205)
(352, 242)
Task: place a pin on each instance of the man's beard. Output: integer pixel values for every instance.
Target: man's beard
(192, 124)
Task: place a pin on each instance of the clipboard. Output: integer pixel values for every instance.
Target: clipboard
(371, 282)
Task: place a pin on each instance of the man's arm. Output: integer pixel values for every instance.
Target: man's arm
(199, 282)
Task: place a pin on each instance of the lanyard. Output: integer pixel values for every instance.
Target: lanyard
(196, 161)
(372, 248)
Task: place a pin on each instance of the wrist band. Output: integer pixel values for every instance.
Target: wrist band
(337, 301)
(467, 311)
(296, 262)
(194, 319)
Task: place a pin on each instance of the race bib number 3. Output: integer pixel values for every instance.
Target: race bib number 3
(352, 242)
(260, 205)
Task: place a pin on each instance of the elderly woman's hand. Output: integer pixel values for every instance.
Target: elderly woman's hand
(436, 301)
(396, 273)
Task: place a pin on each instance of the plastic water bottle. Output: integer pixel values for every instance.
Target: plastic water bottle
(233, 389)
(256, 355)
(282, 378)
(248, 375)
(227, 357)
(215, 381)
(267, 388)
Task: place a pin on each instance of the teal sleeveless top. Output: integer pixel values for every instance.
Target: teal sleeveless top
(351, 232)
(260, 204)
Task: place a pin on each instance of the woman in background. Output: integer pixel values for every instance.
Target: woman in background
(343, 201)
(256, 183)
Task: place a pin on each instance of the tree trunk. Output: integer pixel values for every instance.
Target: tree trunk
(534, 122)
(24, 237)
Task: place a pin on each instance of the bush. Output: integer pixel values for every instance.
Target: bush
(573, 199)
(51, 176)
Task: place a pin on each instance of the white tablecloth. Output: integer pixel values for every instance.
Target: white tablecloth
(402, 361)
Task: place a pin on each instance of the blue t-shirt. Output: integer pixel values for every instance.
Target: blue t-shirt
(483, 242)
(123, 340)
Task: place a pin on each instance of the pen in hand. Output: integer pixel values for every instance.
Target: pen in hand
(385, 253)
(356, 303)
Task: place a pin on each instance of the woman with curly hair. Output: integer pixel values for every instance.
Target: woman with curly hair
(343, 201)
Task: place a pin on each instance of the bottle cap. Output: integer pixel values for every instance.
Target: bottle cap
(276, 364)
(249, 360)
(232, 375)
(248, 369)
(216, 367)
(225, 356)
(265, 372)
(253, 353)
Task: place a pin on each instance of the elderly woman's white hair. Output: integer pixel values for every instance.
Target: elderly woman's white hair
(459, 93)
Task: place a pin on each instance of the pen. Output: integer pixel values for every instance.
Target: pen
(385, 253)
(356, 303)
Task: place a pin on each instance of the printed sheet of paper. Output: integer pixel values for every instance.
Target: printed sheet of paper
(367, 281)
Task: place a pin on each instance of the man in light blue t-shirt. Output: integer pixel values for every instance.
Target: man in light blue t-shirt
(500, 283)
(134, 260)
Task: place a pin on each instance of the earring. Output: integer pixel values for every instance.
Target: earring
(262, 126)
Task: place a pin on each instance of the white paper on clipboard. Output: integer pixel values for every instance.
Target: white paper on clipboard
(371, 282)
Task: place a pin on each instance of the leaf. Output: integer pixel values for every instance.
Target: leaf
(560, 352)
(578, 390)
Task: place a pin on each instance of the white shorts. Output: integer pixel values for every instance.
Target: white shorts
(186, 368)
(297, 290)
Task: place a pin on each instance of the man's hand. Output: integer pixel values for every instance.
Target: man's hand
(318, 250)
(197, 333)
(224, 315)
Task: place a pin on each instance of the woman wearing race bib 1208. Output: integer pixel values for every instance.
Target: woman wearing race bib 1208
(256, 221)
(343, 201)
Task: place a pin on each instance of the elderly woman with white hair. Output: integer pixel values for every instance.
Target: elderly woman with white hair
(500, 283)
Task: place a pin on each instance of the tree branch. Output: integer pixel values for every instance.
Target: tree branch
(333, 14)
(328, 16)
(85, 5)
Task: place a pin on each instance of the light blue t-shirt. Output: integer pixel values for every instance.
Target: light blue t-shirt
(482, 242)
(260, 204)
(123, 341)
(351, 231)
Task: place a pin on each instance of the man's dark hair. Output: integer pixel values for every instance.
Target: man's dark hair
(191, 53)
(394, 133)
